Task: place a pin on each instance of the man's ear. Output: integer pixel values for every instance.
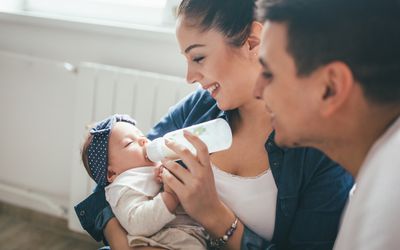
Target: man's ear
(338, 85)
(111, 175)
(254, 39)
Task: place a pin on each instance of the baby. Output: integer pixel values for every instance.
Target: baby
(114, 156)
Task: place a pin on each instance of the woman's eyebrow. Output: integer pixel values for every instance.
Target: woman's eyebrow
(193, 46)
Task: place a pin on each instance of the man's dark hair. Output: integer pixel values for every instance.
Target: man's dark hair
(233, 18)
(364, 34)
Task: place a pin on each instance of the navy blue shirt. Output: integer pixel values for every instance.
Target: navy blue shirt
(312, 189)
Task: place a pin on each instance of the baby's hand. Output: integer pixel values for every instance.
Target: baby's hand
(158, 172)
(168, 195)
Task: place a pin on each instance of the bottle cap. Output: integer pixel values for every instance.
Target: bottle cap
(154, 151)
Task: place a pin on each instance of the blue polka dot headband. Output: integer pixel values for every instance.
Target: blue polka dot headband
(98, 147)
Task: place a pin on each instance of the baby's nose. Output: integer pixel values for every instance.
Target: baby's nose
(143, 141)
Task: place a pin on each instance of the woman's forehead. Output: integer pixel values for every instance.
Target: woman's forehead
(188, 36)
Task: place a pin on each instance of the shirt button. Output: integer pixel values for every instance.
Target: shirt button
(269, 145)
(275, 164)
(82, 213)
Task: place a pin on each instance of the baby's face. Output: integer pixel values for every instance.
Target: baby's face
(126, 148)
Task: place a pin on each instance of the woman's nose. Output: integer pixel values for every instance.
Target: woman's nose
(192, 76)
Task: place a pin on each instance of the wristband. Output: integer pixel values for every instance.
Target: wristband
(216, 244)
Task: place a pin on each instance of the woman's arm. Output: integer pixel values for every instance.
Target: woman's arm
(98, 220)
(94, 213)
(116, 235)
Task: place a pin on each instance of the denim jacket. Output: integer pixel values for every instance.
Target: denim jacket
(312, 189)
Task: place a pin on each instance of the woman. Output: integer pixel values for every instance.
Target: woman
(282, 198)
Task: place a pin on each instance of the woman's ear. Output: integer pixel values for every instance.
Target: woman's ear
(253, 41)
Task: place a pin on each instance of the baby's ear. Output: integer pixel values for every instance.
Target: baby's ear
(111, 175)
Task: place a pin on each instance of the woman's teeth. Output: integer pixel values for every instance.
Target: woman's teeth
(213, 87)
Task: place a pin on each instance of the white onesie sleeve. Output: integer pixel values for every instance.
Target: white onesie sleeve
(135, 208)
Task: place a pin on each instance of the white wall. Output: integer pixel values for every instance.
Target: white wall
(73, 41)
(37, 102)
(35, 135)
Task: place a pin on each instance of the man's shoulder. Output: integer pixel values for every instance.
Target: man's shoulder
(373, 209)
(383, 159)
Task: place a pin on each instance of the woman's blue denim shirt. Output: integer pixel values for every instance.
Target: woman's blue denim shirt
(312, 189)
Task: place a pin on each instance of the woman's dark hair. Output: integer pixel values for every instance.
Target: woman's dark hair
(364, 34)
(233, 18)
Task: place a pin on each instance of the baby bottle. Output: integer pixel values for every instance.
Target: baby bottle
(216, 134)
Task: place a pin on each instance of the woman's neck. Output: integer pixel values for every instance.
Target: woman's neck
(253, 116)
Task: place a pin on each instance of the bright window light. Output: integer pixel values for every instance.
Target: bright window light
(146, 12)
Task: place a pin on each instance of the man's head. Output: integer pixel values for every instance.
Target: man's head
(113, 146)
(323, 58)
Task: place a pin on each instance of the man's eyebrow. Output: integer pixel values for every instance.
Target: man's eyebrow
(193, 46)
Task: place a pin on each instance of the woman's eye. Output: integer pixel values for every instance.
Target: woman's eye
(198, 59)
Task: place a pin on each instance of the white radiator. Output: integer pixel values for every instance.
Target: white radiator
(104, 90)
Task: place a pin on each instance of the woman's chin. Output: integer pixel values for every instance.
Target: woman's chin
(224, 106)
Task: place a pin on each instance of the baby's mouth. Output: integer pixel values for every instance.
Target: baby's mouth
(147, 159)
(145, 154)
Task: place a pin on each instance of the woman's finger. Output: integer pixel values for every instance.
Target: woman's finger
(185, 155)
(201, 148)
(176, 185)
(177, 170)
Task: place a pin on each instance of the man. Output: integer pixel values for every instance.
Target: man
(331, 80)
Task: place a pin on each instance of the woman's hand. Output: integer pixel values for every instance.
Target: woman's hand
(169, 196)
(194, 186)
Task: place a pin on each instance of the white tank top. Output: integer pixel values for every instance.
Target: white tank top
(252, 199)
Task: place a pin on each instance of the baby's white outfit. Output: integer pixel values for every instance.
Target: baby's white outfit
(136, 202)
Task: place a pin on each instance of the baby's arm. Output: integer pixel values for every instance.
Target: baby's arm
(138, 214)
(168, 195)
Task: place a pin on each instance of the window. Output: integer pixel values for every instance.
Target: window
(145, 12)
